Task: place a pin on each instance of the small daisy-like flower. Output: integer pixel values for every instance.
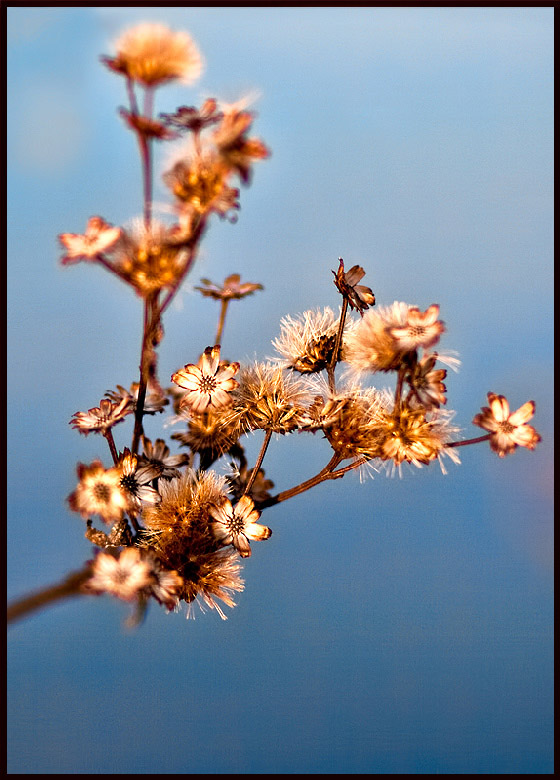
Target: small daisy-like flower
(358, 296)
(98, 238)
(101, 418)
(166, 585)
(153, 403)
(153, 54)
(426, 382)
(236, 525)
(422, 329)
(236, 150)
(99, 492)
(267, 399)
(193, 119)
(208, 383)
(307, 342)
(158, 457)
(135, 479)
(149, 128)
(124, 576)
(369, 346)
(232, 288)
(508, 430)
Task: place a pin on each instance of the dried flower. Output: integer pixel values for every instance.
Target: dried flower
(236, 525)
(158, 457)
(99, 492)
(149, 128)
(369, 346)
(356, 431)
(153, 403)
(153, 54)
(101, 418)
(422, 329)
(307, 342)
(207, 383)
(211, 433)
(149, 258)
(98, 238)
(259, 490)
(508, 430)
(358, 296)
(193, 119)
(236, 150)
(124, 575)
(135, 480)
(201, 185)
(426, 382)
(232, 288)
(268, 399)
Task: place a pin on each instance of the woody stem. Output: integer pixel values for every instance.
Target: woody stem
(221, 321)
(468, 441)
(68, 587)
(260, 459)
(326, 473)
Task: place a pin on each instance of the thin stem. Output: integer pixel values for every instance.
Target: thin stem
(111, 442)
(221, 321)
(68, 587)
(468, 441)
(334, 358)
(398, 388)
(192, 245)
(151, 318)
(260, 459)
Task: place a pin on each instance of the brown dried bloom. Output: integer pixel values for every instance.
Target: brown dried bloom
(178, 530)
(158, 457)
(98, 238)
(211, 433)
(99, 492)
(268, 399)
(307, 342)
(356, 431)
(208, 383)
(101, 418)
(153, 403)
(358, 296)
(422, 329)
(194, 119)
(414, 436)
(236, 525)
(369, 346)
(149, 128)
(135, 480)
(124, 575)
(236, 150)
(231, 289)
(426, 383)
(149, 258)
(509, 430)
(201, 185)
(259, 490)
(152, 54)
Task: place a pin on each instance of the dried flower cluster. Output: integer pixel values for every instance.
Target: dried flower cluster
(178, 525)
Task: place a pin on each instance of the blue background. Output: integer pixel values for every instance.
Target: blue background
(397, 626)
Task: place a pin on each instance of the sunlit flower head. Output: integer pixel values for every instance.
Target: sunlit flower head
(508, 430)
(236, 525)
(358, 296)
(99, 492)
(306, 342)
(149, 258)
(231, 289)
(154, 401)
(237, 151)
(356, 430)
(135, 480)
(124, 575)
(208, 383)
(158, 457)
(369, 346)
(152, 54)
(200, 184)
(211, 433)
(426, 382)
(99, 237)
(101, 418)
(269, 399)
(422, 329)
(194, 119)
(259, 490)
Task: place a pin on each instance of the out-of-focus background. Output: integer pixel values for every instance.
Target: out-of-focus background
(400, 625)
